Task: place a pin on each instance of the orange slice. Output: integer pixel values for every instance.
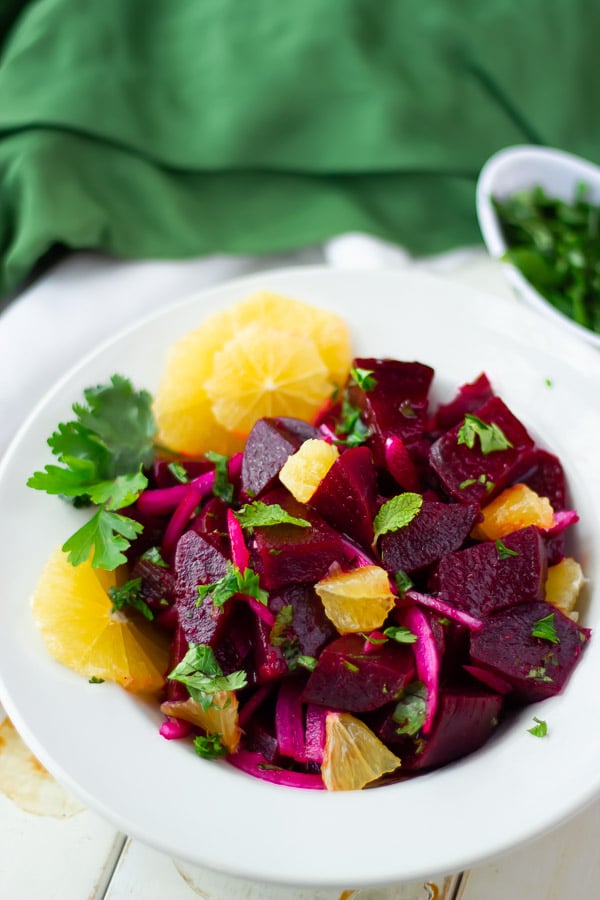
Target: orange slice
(192, 420)
(563, 583)
(304, 470)
(359, 600)
(516, 507)
(220, 718)
(353, 755)
(73, 611)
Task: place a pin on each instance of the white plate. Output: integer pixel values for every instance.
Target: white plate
(520, 168)
(104, 744)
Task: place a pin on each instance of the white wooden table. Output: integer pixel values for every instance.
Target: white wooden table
(51, 848)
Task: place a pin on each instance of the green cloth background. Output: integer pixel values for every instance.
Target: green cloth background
(172, 128)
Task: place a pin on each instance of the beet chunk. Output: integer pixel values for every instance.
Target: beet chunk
(535, 667)
(268, 446)
(466, 472)
(468, 399)
(437, 529)
(348, 678)
(465, 719)
(397, 404)
(481, 580)
(309, 629)
(289, 554)
(198, 562)
(547, 478)
(157, 584)
(346, 496)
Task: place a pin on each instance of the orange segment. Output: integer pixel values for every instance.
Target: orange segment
(220, 718)
(356, 601)
(304, 470)
(353, 755)
(73, 611)
(516, 507)
(192, 420)
(563, 583)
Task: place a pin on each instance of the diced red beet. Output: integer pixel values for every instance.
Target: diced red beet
(211, 523)
(346, 496)
(547, 478)
(466, 472)
(465, 719)
(163, 476)
(288, 554)
(397, 404)
(310, 629)
(158, 584)
(469, 399)
(481, 580)
(175, 690)
(347, 678)
(490, 679)
(198, 562)
(535, 666)
(315, 732)
(269, 661)
(436, 530)
(269, 444)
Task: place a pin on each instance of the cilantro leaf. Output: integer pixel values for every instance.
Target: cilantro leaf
(363, 378)
(200, 672)
(491, 437)
(401, 634)
(130, 594)
(106, 535)
(410, 710)
(210, 746)
(540, 729)
(233, 582)
(222, 487)
(503, 551)
(262, 514)
(396, 513)
(544, 628)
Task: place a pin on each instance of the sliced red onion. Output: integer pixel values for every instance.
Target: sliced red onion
(160, 501)
(427, 659)
(263, 612)
(562, 520)
(175, 729)
(289, 725)
(255, 764)
(445, 609)
(240, 555)
(316, 735)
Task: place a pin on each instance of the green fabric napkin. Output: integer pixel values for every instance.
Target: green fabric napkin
(171, 128)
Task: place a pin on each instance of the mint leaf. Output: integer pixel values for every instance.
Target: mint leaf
(233, 582)
(401, 634)
(222, 487)
(107, 535)
(351, 429)
(503, 551)
(363, 378)
(491, 437)
(257, 514)
(544, 628)
(540, 729)
(200, 672)
(396, 513)
(130, 594)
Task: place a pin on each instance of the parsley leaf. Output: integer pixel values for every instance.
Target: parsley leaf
(153, 555)
(222, 487)
(491, 437)
(178, 472)
(306, 662)
(107, 535)
(200, 672)
(210, 746)
(540, 729)
(233, 582)
(259, 514)
(401, 634)
(396, 513)
(130, 594)
(363, 378)
(410, 710)
(503, 551)
(544, 628)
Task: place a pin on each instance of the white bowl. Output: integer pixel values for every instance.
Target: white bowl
(518, 168)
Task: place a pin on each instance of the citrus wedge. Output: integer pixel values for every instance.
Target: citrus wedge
(353, 755)
(563, 583)
(304, 470)
(516, 507)
(359, 600)
(221, 377)
(73, 611)
(221, 717)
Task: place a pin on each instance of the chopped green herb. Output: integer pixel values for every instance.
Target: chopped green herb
(540, 729)
(222, 487)
(307, 662)
(467, 483)
(130, 594)
(350, 666)
(410, 710)
(397, 513)
(210, 746)
(178, 472)
(548, 382)
(363, 378)
(281, 627)
(95, 680)
(375, 641)
(259, 514)
(351, 429)
(491, 437)
(539, 674)
(545, 628)
(408, 410)
(107, 535)
(200, 672)
(401, 634)
(503, 551)
(403, 582)
(153, 555)
(233, 582)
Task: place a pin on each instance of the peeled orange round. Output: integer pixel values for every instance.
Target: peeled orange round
(73, 611)
(353, 755)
